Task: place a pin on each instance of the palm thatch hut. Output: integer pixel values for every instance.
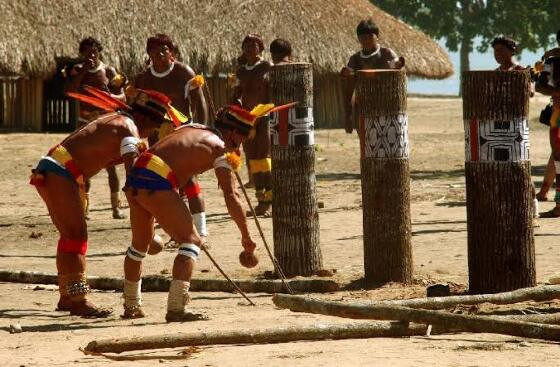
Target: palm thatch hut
(34, 34)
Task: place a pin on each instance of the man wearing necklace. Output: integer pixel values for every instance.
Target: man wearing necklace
(177, 81)
(372, 56)
(250, 90)
(94, 73)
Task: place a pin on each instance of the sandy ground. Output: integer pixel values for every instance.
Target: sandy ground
(28, 242)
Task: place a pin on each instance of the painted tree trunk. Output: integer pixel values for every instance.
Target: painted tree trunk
(295, 217)
(498, 178)
(381, 104)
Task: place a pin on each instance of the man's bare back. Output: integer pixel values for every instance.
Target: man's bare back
(97, 144)
(189, 151)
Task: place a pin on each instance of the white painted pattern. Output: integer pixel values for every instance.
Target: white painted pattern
(386, 137)
(498, 141)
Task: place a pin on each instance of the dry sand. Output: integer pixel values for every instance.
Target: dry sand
(439, 245)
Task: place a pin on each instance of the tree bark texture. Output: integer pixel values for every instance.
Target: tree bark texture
(498, 180)
(295, 217)
(158, 283)
(387, 223)
(264, 336)
(501, 248)
(381, 104)
(465, 323)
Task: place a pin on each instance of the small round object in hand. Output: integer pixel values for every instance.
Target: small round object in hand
(248, 260)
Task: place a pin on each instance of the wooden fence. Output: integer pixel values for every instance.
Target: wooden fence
(21, 101)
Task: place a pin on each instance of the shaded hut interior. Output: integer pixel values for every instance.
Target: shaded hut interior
(42, 34)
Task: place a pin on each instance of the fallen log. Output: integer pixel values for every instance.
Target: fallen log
(159, 283)
(264, 336)
(538, 294)
(457, 322)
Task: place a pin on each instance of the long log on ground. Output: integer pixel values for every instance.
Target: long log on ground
(263, 336)
(537, 294)
(157, 283)
(465, 323)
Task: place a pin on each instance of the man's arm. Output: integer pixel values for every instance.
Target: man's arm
(198, 106)
(234, 206)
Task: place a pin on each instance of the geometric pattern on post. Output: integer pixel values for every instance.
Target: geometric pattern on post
(496, 140)
(386, 136)
(293, 126)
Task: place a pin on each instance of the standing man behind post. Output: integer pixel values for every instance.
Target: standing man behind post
(93, 72)
(281, 51)
(177, 81)
(371, 56)
(252, 89)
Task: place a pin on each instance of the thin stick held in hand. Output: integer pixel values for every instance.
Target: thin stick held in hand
(274, 261)
(225, 275)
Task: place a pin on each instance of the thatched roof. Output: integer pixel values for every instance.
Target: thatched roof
(208, 32)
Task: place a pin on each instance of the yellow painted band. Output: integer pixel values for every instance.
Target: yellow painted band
(260, 165)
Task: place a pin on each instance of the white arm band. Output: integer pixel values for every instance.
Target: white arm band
(221, 162)
(129, 144)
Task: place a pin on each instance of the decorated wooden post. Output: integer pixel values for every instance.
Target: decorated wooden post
(381, 107)
(295, 216)
(498, 177)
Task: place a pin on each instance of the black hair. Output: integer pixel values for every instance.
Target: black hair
(505, 41)
(160, 39)
(90, 42)
(281, 47)
(367, 26)
(255, 38)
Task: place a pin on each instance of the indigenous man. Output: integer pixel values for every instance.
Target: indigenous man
(372, 56)
(94, 73)
(281, 51)
(252, 89)
(60, 175)
(151, 193)
(504, 49)
(549, 84)
(550, 174)
(178, 82)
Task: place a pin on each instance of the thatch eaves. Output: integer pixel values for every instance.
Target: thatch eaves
(208, 32)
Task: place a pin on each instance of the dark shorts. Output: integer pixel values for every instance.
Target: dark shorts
(47, 166)
(143, 178)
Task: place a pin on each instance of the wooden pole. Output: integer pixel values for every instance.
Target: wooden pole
(466, 323)
(381, 107)
(501, 245)
(264, 336)
(159, 283)
(295, 217)
(536, 294)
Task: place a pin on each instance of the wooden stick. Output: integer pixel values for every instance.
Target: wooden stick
(264, 336)
(225, 275)
(467, 323)
(160, 283)
(538, 294)
(275, 262)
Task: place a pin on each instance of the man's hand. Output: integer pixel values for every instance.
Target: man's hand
(248, 244)
(347, 72)
(399, 64)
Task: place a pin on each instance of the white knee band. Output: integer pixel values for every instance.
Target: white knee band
(134, 254)
(557, 166)
(199, 220)
(189, 250)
